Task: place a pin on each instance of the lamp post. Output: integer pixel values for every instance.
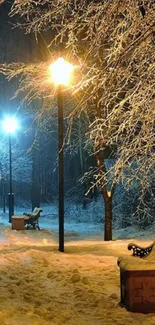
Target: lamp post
(10, 126)
(60, 72)
(2, 180)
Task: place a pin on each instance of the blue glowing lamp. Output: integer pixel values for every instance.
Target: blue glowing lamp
(10, 125)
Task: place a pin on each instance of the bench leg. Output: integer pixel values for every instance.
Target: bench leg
(32, 224)
(37, 226)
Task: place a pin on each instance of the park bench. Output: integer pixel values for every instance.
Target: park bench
(137, 279)
(32, 219)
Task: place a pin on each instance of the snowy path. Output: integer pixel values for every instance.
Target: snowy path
(41, 286)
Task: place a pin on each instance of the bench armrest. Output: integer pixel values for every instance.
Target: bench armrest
(140, 251)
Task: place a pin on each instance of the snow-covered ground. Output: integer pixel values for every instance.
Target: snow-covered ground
(41, 286)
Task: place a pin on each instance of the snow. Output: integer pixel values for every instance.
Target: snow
(41, 286)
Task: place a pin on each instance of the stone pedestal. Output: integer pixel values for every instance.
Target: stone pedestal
(138, 290)
(18, 222)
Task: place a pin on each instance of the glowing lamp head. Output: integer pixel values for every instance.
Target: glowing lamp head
(10, 125)
(61, 71)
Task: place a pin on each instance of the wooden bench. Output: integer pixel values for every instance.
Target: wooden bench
(27, 220)
(137, 279)
(32, 219)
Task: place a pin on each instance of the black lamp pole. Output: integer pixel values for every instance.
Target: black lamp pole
(10, 194)
(60, 73)
(61, 169)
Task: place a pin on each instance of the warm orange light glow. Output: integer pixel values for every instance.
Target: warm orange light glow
(61, 71)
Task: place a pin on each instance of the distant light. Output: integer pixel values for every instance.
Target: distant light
(61, 71)
(10, 125)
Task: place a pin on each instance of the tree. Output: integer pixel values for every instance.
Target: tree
(112, 42)
(21, 163)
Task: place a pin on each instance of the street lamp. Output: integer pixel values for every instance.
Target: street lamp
(10, 125)
(60, 72)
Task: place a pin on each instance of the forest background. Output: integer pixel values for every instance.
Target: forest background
(109, 152)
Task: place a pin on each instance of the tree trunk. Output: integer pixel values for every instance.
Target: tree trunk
(107, 195)
(80, 146)
(108, 217)
(36, 187)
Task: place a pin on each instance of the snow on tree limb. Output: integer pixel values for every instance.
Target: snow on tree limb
(114, 47)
